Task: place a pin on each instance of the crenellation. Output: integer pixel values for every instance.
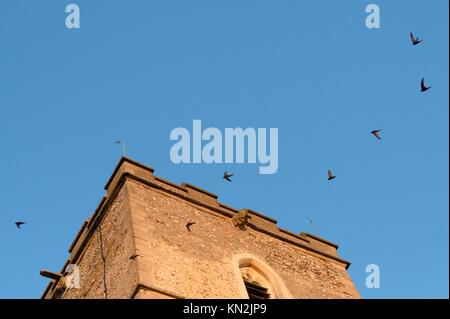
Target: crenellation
(146, 215)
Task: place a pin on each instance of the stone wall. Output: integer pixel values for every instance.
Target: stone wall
(118, 269)
(199, 263)
(146, 215)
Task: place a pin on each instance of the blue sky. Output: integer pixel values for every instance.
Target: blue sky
(135, 70)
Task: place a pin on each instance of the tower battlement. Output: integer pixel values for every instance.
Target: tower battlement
(145, 216)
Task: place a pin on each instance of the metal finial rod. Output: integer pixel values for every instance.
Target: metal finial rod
(123, 146)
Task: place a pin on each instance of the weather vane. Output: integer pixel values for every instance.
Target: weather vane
(123, 146)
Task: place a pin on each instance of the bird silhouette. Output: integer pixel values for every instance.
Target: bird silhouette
(376, 133)
(18, 224)
(311, 221)
(133, 257)
(227, 176)
(330, 175)
(423, 88)
(189, 224)
(414, 40)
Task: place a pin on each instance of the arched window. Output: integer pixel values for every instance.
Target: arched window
(256, 285)
(257, 280)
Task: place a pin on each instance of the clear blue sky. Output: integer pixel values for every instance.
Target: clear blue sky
(135, 70)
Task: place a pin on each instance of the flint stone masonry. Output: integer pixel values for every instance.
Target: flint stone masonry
(146, 215)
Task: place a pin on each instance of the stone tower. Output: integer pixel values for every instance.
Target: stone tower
(136, 245)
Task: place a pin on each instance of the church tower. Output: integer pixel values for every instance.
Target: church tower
(137, 244)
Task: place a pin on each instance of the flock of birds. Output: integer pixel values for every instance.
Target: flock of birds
(376, 133)
(227, 176)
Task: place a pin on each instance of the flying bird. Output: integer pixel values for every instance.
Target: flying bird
(311, 221)
(376, 133)
(414, 40)
(330, 175)
(189, 224)
(18, 224)
(133, 257)
(227, 176)
(423, 88)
